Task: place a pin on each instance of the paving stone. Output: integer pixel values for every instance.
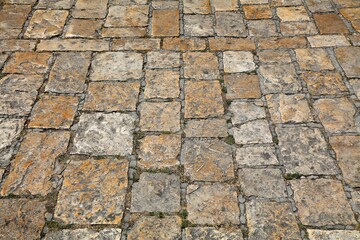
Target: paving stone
(184, 44)
(159, 151)
(355, 84)
(322, 202)
(83, 28)
(116, 66)
(84, 233)
(257, 11)
(241, 61)
(198, 26)
(10, 132)
(68, 74)
(165, 5)
(20, 2)
(253, 132)
(222, 44)
(85, 199)
(256, 156)
(242, 86)
(18, 93)
(127, 16)
(153, 227)
(212, 204)
(33, 169)
(337, 114)
(315, 234)
(156, 192)
(230, 24)
(315, 59)
(163, 60)
(9, 33)
(21, 218)
(319, 83)
(212, 127)
(207, 160)
(90, 9)
(305, 151)
(271, 220)
(55, 4)
(352, 14)
(160, 116)
(17, 45)
(165, 23)
(203, 99)
(13, 16)
(201, 65)
(254, 1)
(229, 5)
(285, 3)
(274, 56)
(3, 57)
(58, 44)
(337, 25)
(54, 112)
(283, 42)
(203, 233)
(197, 6)
(128, 2)
(292, 14)
(46, 23)
(243, 112)
(298, 28)
(348, 57)
(346, 3)
(319, 5)
(279, 78)
(289, 108)
(328, 41)
(112, 96)
(95, 134)
(262, 28)
(162, 84)
(124, 32)
(28, 63)
(136, 44)
(2, 171)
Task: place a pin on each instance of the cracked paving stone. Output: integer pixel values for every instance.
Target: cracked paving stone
(156, 192)
(159, 151)
(127, 16)
(212, 204)
(305, 151)
(33, 170)
(322, 202)
(271, 220)
(348, 58)
(21, 218)
(197, 6)
(314, 59)
(241, 61)
(207, 160)
(242, 86)
(163, 60)
(85, 199)
(319, 83)
(83, 28)
(198, 25)
(90, 9)
(104, 134)
(162, 84)
(337, 25)
(153, 227)
(229, 24)
(28, 63)
(84, 233)
(201, 65)
(205, 233)
(243, 112)
(256, 156)
(213, 127)
(315, 234)
(165, 23)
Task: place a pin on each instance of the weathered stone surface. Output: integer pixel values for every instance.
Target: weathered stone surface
(33, 168)
(55, 4)
(140, 44)
(355, 84)
(128, 2)
(319, 83)
(21, 218)
(198, 25)
(291, 14)
(337, 114)
(58, 44)
(84, 233)
(230, 24)
(104, 134)
(256, 156)
(124, 32)
(9, 132)
(153, 227)
(212, 204)
(256, 131)
(285, 3)
(315, 234)
(13, 16)
(283, 42)
(348, 58)
(112, 96)
(203, 233)
(3, 57)
(162, 84)
(313, 59)
(242, 86)
(184, 44)
(46, 23)
(165, 5)
(28, 63)
(254, 1)
(305, 151)
(165, 23)
(229, 5)
(203, 99)
(93, 191)
(337, 25)
(207, 160)
(201, 65)
(352, 14)
(159, 151)
(271, 220)
(163, 60)
(17, 45)
(346, 3)
(117, 66)
(328, 41)
(274, 56)
(243, 112)
(156, 192)
(257, 11)
(298, 28)
(83, 28)
(222, 44)
(160, 116)
(90, 9)
(127, 16)
(212, 127)
(197, 6)
(241, 61)
(262, 28)
(319, 6)
(322, 202)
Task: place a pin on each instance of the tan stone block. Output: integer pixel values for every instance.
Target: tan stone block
(199, 26)
(162, 84)
(262, 28)
(238, 61)
(324, 83)
(58, 44)
(229, 5)
(90, 9)
(353, 15)
(197, 6)
(14, 16)
(201, 65)
(195, 233)
(313, 59)
(163, 59)
(230, 24)
(242, 86)
(145, 44)
(315, 234)
(298, 28)
(124, 32)
(28, 63)
(257, 11)
(165, 23)
(291, 14)
(348, 57)
(127, 16)
(212, 127)
(223, 44)
(17, 45)
(346, 3)
(328, 41)
(276, 56)
(184, 44)
(83, 28)
(277, 43)
(337, 25)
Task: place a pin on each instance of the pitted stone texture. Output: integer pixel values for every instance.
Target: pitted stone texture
(322, 202)
(229, 5)
(93, 191)
(292, 14)
(116, 66)
(243, 112)
(16, 45)
(83, 28)
(160, 116)
(347, 150)
(9, 132)
(104, 134)
(21, 218)
(84, 233)
(203, 99)
(201, 65)
(162, 84)
(262, 183)
(58, 44)
(156, 192)
(319, 6)
(242, 86)
(212, 204)
(163, 60)
(213, 127)
(337, 114)
(262, 28)
(241, 61)
(112, 96)
(68, 75)
(90, 9)
(231, 44)
(348, 57)
(33, 170)
(319, 83)
(28, 63)
(337, 25)
(13, 16)
(315, 234)
(198, 25)
(197, 6)
(156, 152)
(205, 233)
(153, 227)
(18, 93)
(314, 59)
(271, 220)
(298, 28)
(253, 132)
(305, 151)
(256, 156)
(207, 160)
(230, 24)
(165, 23)
(127, 16)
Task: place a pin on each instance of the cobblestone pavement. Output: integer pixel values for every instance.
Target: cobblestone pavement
(188, 119)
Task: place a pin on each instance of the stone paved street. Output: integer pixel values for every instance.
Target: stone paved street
(180, 119)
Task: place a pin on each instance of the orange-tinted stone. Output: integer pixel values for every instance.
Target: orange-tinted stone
(323, 22)
(28, 63)
(165, 23)
(257, 11)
